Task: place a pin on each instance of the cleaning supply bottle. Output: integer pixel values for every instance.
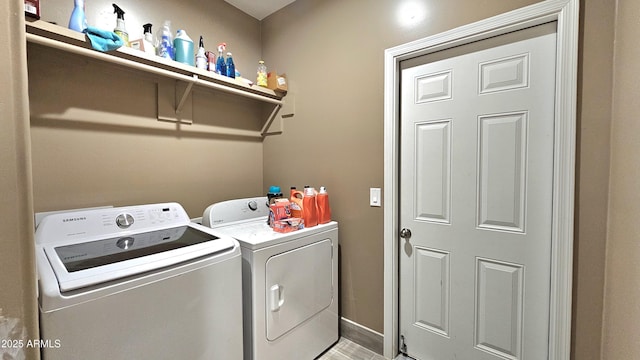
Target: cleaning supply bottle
(221, 67)
(201, 57)
(165, 41)
(273, 194)
(149, 46)
(262, 74)
(309, 207)
(78, 19)
(231, 67)
(120, 29)
(295, 198)
(183, 48)
(322, 201)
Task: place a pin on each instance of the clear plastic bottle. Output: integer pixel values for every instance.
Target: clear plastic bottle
(262, 74)
(231, 67)
(165, 41)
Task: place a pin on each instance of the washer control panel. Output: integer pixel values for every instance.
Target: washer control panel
(109, 221)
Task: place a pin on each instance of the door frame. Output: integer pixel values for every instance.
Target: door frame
(565, 13)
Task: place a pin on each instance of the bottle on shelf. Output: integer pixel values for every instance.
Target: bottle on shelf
(221, 67)
(165, 41)
(231, 67)
(183, 48)
(121, 29)
(262, 74)
(149, 45)
(201, 57)
(78, 19)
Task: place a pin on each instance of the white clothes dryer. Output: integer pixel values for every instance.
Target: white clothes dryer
(289, 281)
(139, 282)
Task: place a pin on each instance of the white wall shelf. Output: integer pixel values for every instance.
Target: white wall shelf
(186, 77)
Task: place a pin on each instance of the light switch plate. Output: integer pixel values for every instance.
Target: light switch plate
(375, 197)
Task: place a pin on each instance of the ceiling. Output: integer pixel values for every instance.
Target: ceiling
(259, 9)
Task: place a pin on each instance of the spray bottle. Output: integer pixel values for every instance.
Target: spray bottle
(221, 67)
(149, 46)
(201, 57)
(120, 29)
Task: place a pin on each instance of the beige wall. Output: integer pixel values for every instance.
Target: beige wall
(332, 52)
(18, 312)
(594, 121)
(100, 143)
(622, 313)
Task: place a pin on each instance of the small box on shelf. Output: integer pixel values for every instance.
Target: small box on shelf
(277, 82)
(32, 8)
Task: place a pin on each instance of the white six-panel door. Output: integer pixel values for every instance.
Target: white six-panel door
(476, 175)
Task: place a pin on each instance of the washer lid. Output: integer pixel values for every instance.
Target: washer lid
(89, 263)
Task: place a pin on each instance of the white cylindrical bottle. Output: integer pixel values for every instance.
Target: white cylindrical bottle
(201, 57)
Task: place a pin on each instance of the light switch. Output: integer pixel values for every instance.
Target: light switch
(375, 197)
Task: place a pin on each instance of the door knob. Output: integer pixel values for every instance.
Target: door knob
(405, 233)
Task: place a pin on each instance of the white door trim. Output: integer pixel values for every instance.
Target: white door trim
(565, 13)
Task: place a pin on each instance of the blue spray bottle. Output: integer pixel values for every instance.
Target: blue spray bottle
(221, 67)
(78, 20)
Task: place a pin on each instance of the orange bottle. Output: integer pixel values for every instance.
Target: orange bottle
(309, 209)
(295, 197)
(324, 211)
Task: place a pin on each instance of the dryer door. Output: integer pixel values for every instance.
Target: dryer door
(298, 286)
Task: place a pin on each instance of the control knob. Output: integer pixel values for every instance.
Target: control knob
(124, 220)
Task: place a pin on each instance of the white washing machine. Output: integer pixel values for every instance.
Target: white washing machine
(138, 282)
(289, 281)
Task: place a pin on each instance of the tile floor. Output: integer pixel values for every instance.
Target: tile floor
(346, 349)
